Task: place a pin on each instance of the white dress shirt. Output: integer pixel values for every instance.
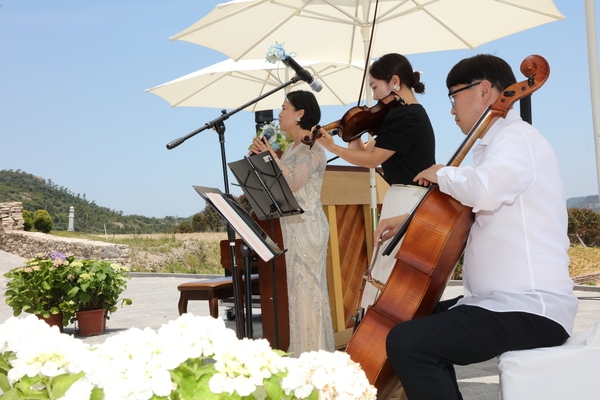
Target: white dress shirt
(516, 256)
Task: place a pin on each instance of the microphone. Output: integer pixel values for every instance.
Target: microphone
(303, 74)
(267, 132)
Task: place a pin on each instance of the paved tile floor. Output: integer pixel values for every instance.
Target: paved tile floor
(155, 300)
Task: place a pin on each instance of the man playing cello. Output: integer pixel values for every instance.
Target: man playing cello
(517, 290)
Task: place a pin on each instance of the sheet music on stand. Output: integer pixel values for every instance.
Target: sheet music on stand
(250, 232)
(265, 187)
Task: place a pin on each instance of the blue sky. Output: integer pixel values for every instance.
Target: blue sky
(73, 107)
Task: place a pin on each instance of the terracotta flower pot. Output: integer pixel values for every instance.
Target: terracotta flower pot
(91, 322)
(53, 320)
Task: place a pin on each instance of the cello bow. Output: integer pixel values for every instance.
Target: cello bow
(434, 242)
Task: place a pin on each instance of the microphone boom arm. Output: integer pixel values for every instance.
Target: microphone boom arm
(225, 115)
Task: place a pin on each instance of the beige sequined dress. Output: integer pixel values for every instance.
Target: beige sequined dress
(305, 236)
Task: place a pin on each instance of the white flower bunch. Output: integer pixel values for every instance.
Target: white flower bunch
(333, 375)
(190, 357)
(244, 365)
(39, 357)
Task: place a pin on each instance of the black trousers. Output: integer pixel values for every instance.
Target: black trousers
(423, 351)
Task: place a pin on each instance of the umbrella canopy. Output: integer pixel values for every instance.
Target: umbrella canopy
(230, 84)
(340, 29)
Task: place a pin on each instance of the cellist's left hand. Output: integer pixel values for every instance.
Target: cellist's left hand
(428, 176)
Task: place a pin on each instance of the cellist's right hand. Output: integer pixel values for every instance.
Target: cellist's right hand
(388, 227)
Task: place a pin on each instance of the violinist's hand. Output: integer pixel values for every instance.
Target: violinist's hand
(261, 145)
(325, 139)
(428, 176)
(388, 227)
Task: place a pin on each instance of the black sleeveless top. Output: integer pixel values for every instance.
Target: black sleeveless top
(406, 130)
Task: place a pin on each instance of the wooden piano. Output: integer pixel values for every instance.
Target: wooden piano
(346, 202)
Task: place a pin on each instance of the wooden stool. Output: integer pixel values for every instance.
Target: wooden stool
(212, 290)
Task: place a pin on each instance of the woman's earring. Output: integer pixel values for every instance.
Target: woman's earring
(297, 119)
(396, 87)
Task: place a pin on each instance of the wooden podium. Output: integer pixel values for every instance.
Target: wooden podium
(346, 199)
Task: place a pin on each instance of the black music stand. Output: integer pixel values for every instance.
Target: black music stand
(263, 183)
(270, 197)
(252, 235)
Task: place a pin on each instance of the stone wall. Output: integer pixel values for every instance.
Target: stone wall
(14, 240)
(11, 216)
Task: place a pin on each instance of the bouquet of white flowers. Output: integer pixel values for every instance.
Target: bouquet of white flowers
(188, 358)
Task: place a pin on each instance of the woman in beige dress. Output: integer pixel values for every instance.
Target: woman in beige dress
(306, 235)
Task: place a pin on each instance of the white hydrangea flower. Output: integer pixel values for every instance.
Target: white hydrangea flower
(334, 375)
(127, 366)
(40, 349)
(190, 336)
(243, 365)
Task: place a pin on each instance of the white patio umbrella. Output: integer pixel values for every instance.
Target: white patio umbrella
(231, 84)
(340, 29)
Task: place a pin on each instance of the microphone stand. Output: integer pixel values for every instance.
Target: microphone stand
(218, 124)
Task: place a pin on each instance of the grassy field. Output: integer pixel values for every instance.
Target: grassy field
(198, 253)
(188, 253)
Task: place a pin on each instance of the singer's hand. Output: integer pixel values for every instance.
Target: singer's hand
(388, 227)
(261, 145)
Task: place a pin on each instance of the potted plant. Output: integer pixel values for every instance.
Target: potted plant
(40, 288)
(95, 287)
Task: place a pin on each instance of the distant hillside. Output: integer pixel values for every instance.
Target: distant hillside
(589, 202)
(37, 193)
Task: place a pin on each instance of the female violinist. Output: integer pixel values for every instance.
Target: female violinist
(404, 146)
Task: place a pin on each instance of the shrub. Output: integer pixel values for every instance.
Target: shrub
(42, 221)
(27, 220)
(199, 223)
(584, 225)
(184, 227)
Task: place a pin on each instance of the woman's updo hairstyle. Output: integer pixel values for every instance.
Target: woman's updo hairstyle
(396, 64)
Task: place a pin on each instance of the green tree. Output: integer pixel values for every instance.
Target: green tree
(199, 223)
(27, 220)
(42, 221)
(213, 220)
(184, 227)
(584, 226)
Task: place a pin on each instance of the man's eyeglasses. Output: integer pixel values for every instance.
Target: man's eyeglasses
(451, 94)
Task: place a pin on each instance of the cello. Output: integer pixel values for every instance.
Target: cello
(435, 235)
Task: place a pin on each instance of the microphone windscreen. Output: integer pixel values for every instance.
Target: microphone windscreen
(316, 85)
(268, 132)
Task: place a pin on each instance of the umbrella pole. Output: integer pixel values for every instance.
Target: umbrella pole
(590, 19)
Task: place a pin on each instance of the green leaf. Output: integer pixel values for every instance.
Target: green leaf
(4, 384)
(61, 383)
(97, 394)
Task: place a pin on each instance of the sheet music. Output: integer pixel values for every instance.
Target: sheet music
(242, 228)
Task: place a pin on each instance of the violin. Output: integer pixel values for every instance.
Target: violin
(358, 120)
